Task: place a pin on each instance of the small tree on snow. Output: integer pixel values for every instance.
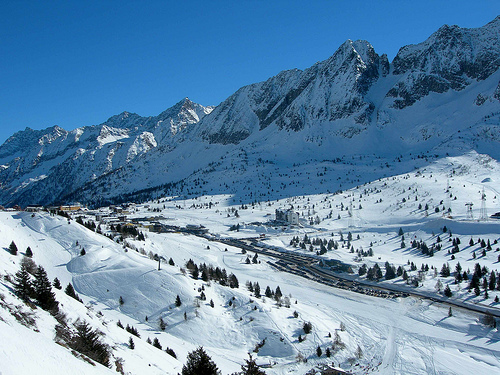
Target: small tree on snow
(251, 368)
(359, 352)
(447, 291)
(13, 248)
(162, 324)
(199, 363)
(23, 286)
(319, 352)
(44, 295)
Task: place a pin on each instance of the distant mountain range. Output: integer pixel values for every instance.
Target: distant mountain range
(440, 96)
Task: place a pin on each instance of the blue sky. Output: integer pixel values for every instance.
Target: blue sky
(76, 63)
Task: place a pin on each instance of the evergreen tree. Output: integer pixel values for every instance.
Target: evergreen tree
(178, 301)
(23, 286)
(307, 327)
(278, 294)
(162, 324)
(13, 248)
(268, 293)
(29, 253)
(359, 352)
(447, 291)
(328, 352)
(87, 341)
(70, 291)
(131, 344)
(390, 271)
(319, 352)
(493, 281)
(445, 270)
(251, 368)
(156, 343)
(43, 293)
(256, 290)
(56, 284)
(199, 363)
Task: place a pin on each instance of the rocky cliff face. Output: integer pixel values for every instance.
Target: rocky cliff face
(328, 91)
(451, 59)
(434, 93)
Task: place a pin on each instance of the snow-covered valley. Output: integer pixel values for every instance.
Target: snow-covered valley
(118, 280)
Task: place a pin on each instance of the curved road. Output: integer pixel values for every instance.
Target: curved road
(307, 266)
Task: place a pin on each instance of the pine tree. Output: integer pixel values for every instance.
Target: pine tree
(157, 344)
(268, 292)
(70, 291)
(493, 281)
(56, 284)
(87, 341)
(359, 352)
(199, 363)
(256, 290)
(43, 293)
(307, 327)
(131, 344)
(29, 252)
(319, 352)
(23, 286)
(250, 367)
(278, 294)
(162, 324)
(178, 301)
(13, 248)
(447, 291)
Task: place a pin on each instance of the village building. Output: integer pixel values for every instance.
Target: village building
(287, 217)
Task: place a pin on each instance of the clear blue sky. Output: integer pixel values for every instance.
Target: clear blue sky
(76, 63)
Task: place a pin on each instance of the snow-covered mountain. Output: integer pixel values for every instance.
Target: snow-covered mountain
(42, 166)
(438, 97)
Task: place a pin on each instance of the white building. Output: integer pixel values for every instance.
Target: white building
(287, 216)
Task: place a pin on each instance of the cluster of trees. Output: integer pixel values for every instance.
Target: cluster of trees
(209, 272)
(422, 246)
(199, 363)
(87, 341)
(89, 224)
(128, 231)
(322, 244)
(269, 292)
(480, 279)
(254, 260)
(32, 284)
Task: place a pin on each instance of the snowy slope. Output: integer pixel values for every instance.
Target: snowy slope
(404, 335)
